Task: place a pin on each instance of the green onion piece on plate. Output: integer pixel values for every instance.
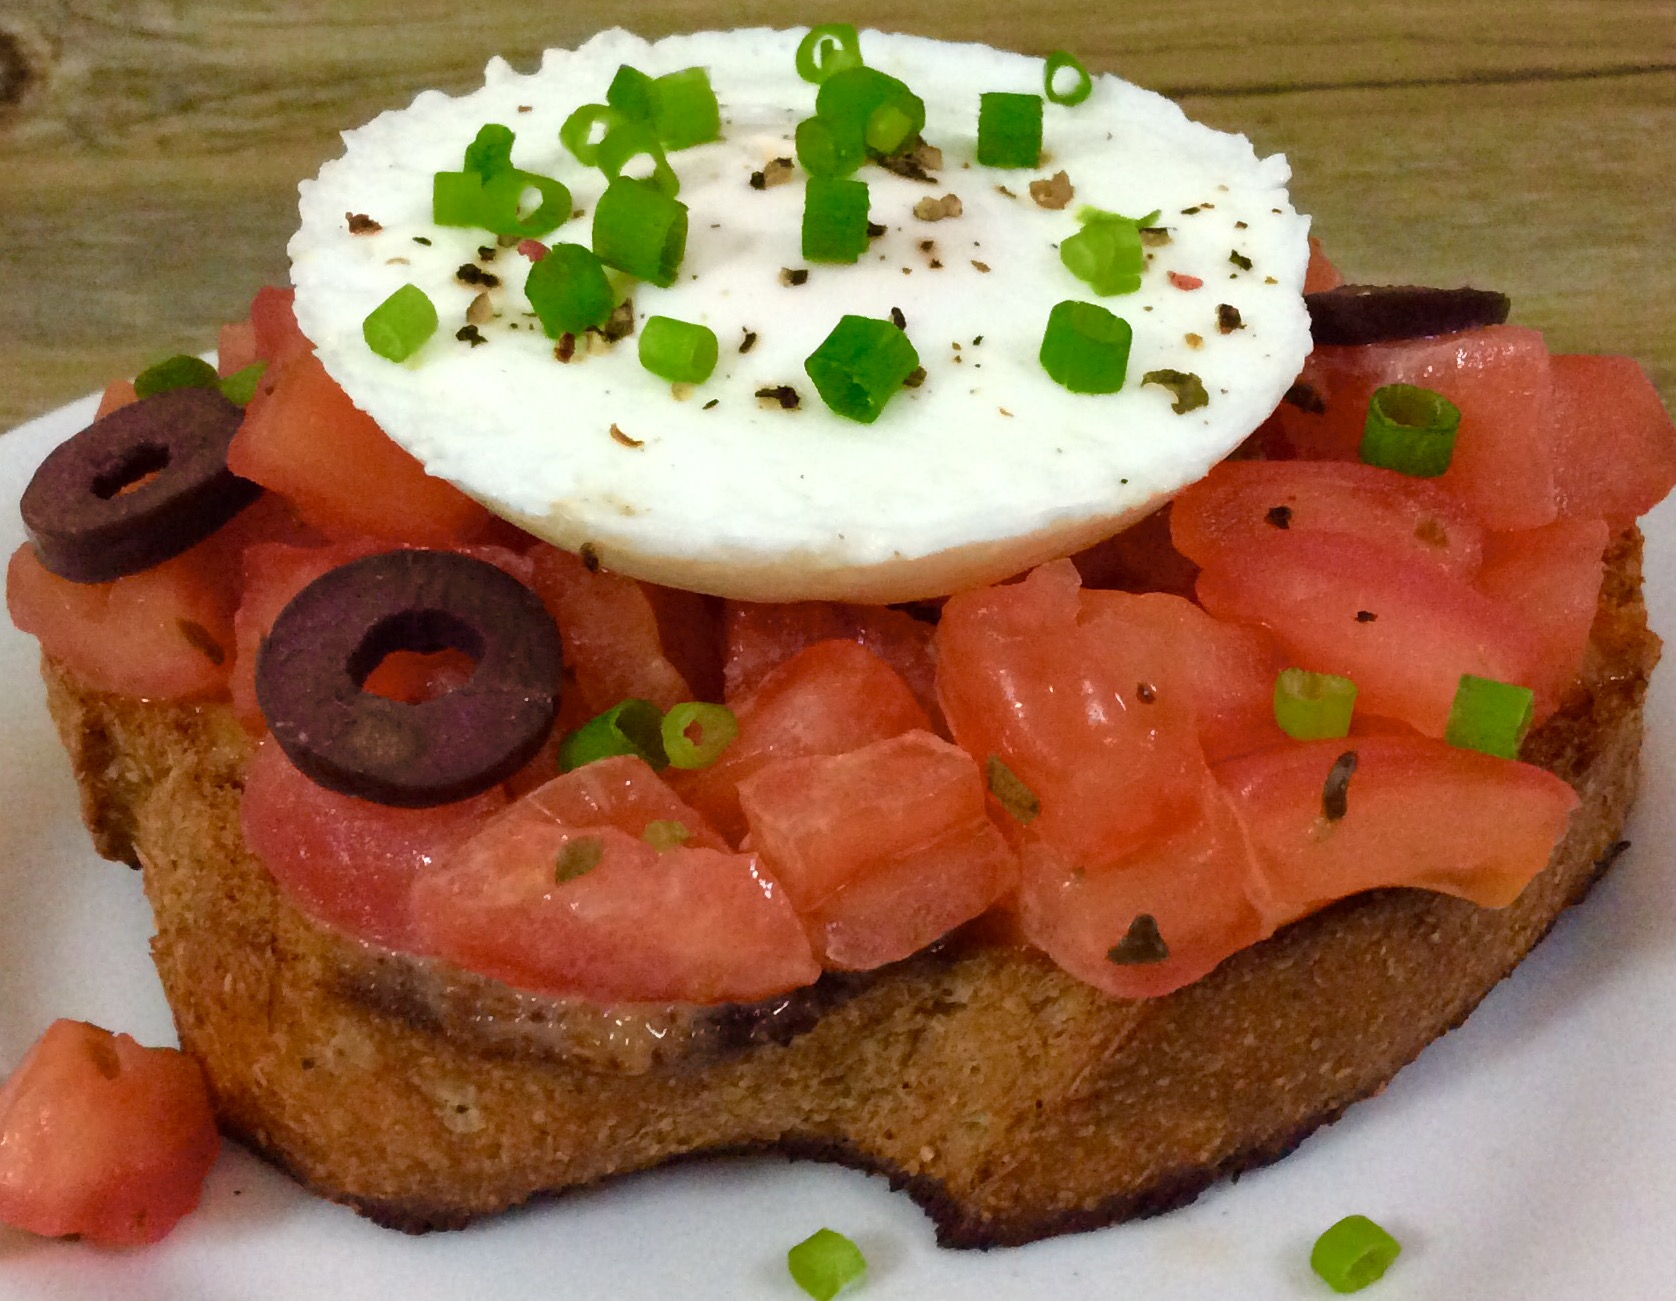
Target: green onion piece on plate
(678, 351)
(825, 1263)
(495, 203)
(569, 291)
(631, 93)
(457, 199)
(491, 152)
(578, 134)
(1085, 348)
(685, 111)
(860, 365)
(696, 732)
(1353, 1253)
(632, 727)
(827, 49)
(630, 140)
(1489, 716)
(239, 387)
(1009, 129)
(1312, 706)
(398, 326)
(641, 230)
(826, 149)
(173, 373)
(1410, 430)
(872, 104)
(834, 219)
(1106, 254)
(1082, 84)
(665, 834)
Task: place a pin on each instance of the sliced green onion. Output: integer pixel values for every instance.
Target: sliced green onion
(1085, 348)
(577, 858)
(826, 149)
(577, 133)
(397, 327)
(1106, 255)
(1490, 716)
(1310, 706)
(239, 387)
(631, 93)
(872, 104)
(629, 140)
(825, 1263)
(827, 49)
(664, 834)
(632, 727)
(1009, 129)
(834, 219)
(1081, 87)
(1353, 1253)
(491, 153)
(569, 291)
(685, 111)
(715, 726)
(641, 230)
(468, 199)
(678, 351)
(173, 373)
(1410, 430)
(457, 199)
(860, 365)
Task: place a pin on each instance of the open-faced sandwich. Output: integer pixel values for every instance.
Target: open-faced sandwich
(866, 598)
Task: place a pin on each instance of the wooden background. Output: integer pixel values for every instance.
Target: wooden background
(150, 149)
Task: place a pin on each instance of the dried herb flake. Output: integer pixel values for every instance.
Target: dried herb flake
(577, 858)
(1188, 388)
(1014, 796)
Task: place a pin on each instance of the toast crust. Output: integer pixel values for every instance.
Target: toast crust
(1009, 1100)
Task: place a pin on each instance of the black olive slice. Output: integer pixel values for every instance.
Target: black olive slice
(94, 515)
(1358, 314)
(336, 631)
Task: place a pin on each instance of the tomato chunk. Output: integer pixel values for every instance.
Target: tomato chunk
(103, 1138)
(881, 850)
(1552, 576)
(625, 793)
(1615, 444)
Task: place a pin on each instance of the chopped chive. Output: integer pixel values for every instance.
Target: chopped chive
(491, 152)
(1085, 348)
(1311, 706)
(825, 1263)
(397, 327)
(1081, 87)
(827, 49)
(678, 351)
(1010, 791)
(860, 366)
(1009, 129)
(873, 105)
(629, 140)
(1490, 716)
(1353, 1253)
(469, 199)
(568, 290)
(716, 727)
(826, 149)
(1106, 255)
(631, 93)
(239, 387)
(577, 858)
(834, 219)
(1410, 430)
(631, 727)
(173, 373)
(642, 230)
(577, 133)
(664, 834)
(685, 111)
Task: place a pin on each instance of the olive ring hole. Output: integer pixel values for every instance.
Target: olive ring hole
(420, 632)
(137, 466)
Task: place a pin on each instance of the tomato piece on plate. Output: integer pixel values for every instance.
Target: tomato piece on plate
(235, 347)
(881, 850)
(1240, 503)
(1142, 558)
(1320, 274)
(1400, 630)
(273, 324)
(118, 394)
(1614, 443)
(102, 1137)
(347, 862)
(1552, 576)
(625, 793)
(303, 438)
(1417, 813)
(595, 913)
(828, 698)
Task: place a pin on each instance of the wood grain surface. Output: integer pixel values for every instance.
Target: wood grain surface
(151, 149)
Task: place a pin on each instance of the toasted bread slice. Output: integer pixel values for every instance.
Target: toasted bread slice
(1011, 1101)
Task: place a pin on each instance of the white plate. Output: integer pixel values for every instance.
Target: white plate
(1530, 1154)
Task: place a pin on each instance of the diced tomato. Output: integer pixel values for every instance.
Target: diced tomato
(1195, 882)
(273, 323)
(1074, 711)
(613, 644)
(761, 635)
(828, 698)
(1499, 377)
(881, 850)
(303, 438)
(1614, 443)
(103, 1138)
(1552, 577)
(118, 394)
(1142, 558)
(1400, 630)
(1320, 274)
(625, 793)
(346, 862)
(690, 633)
(1240, 503)
(599, 914)
(1417, 813)
(235, 347)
